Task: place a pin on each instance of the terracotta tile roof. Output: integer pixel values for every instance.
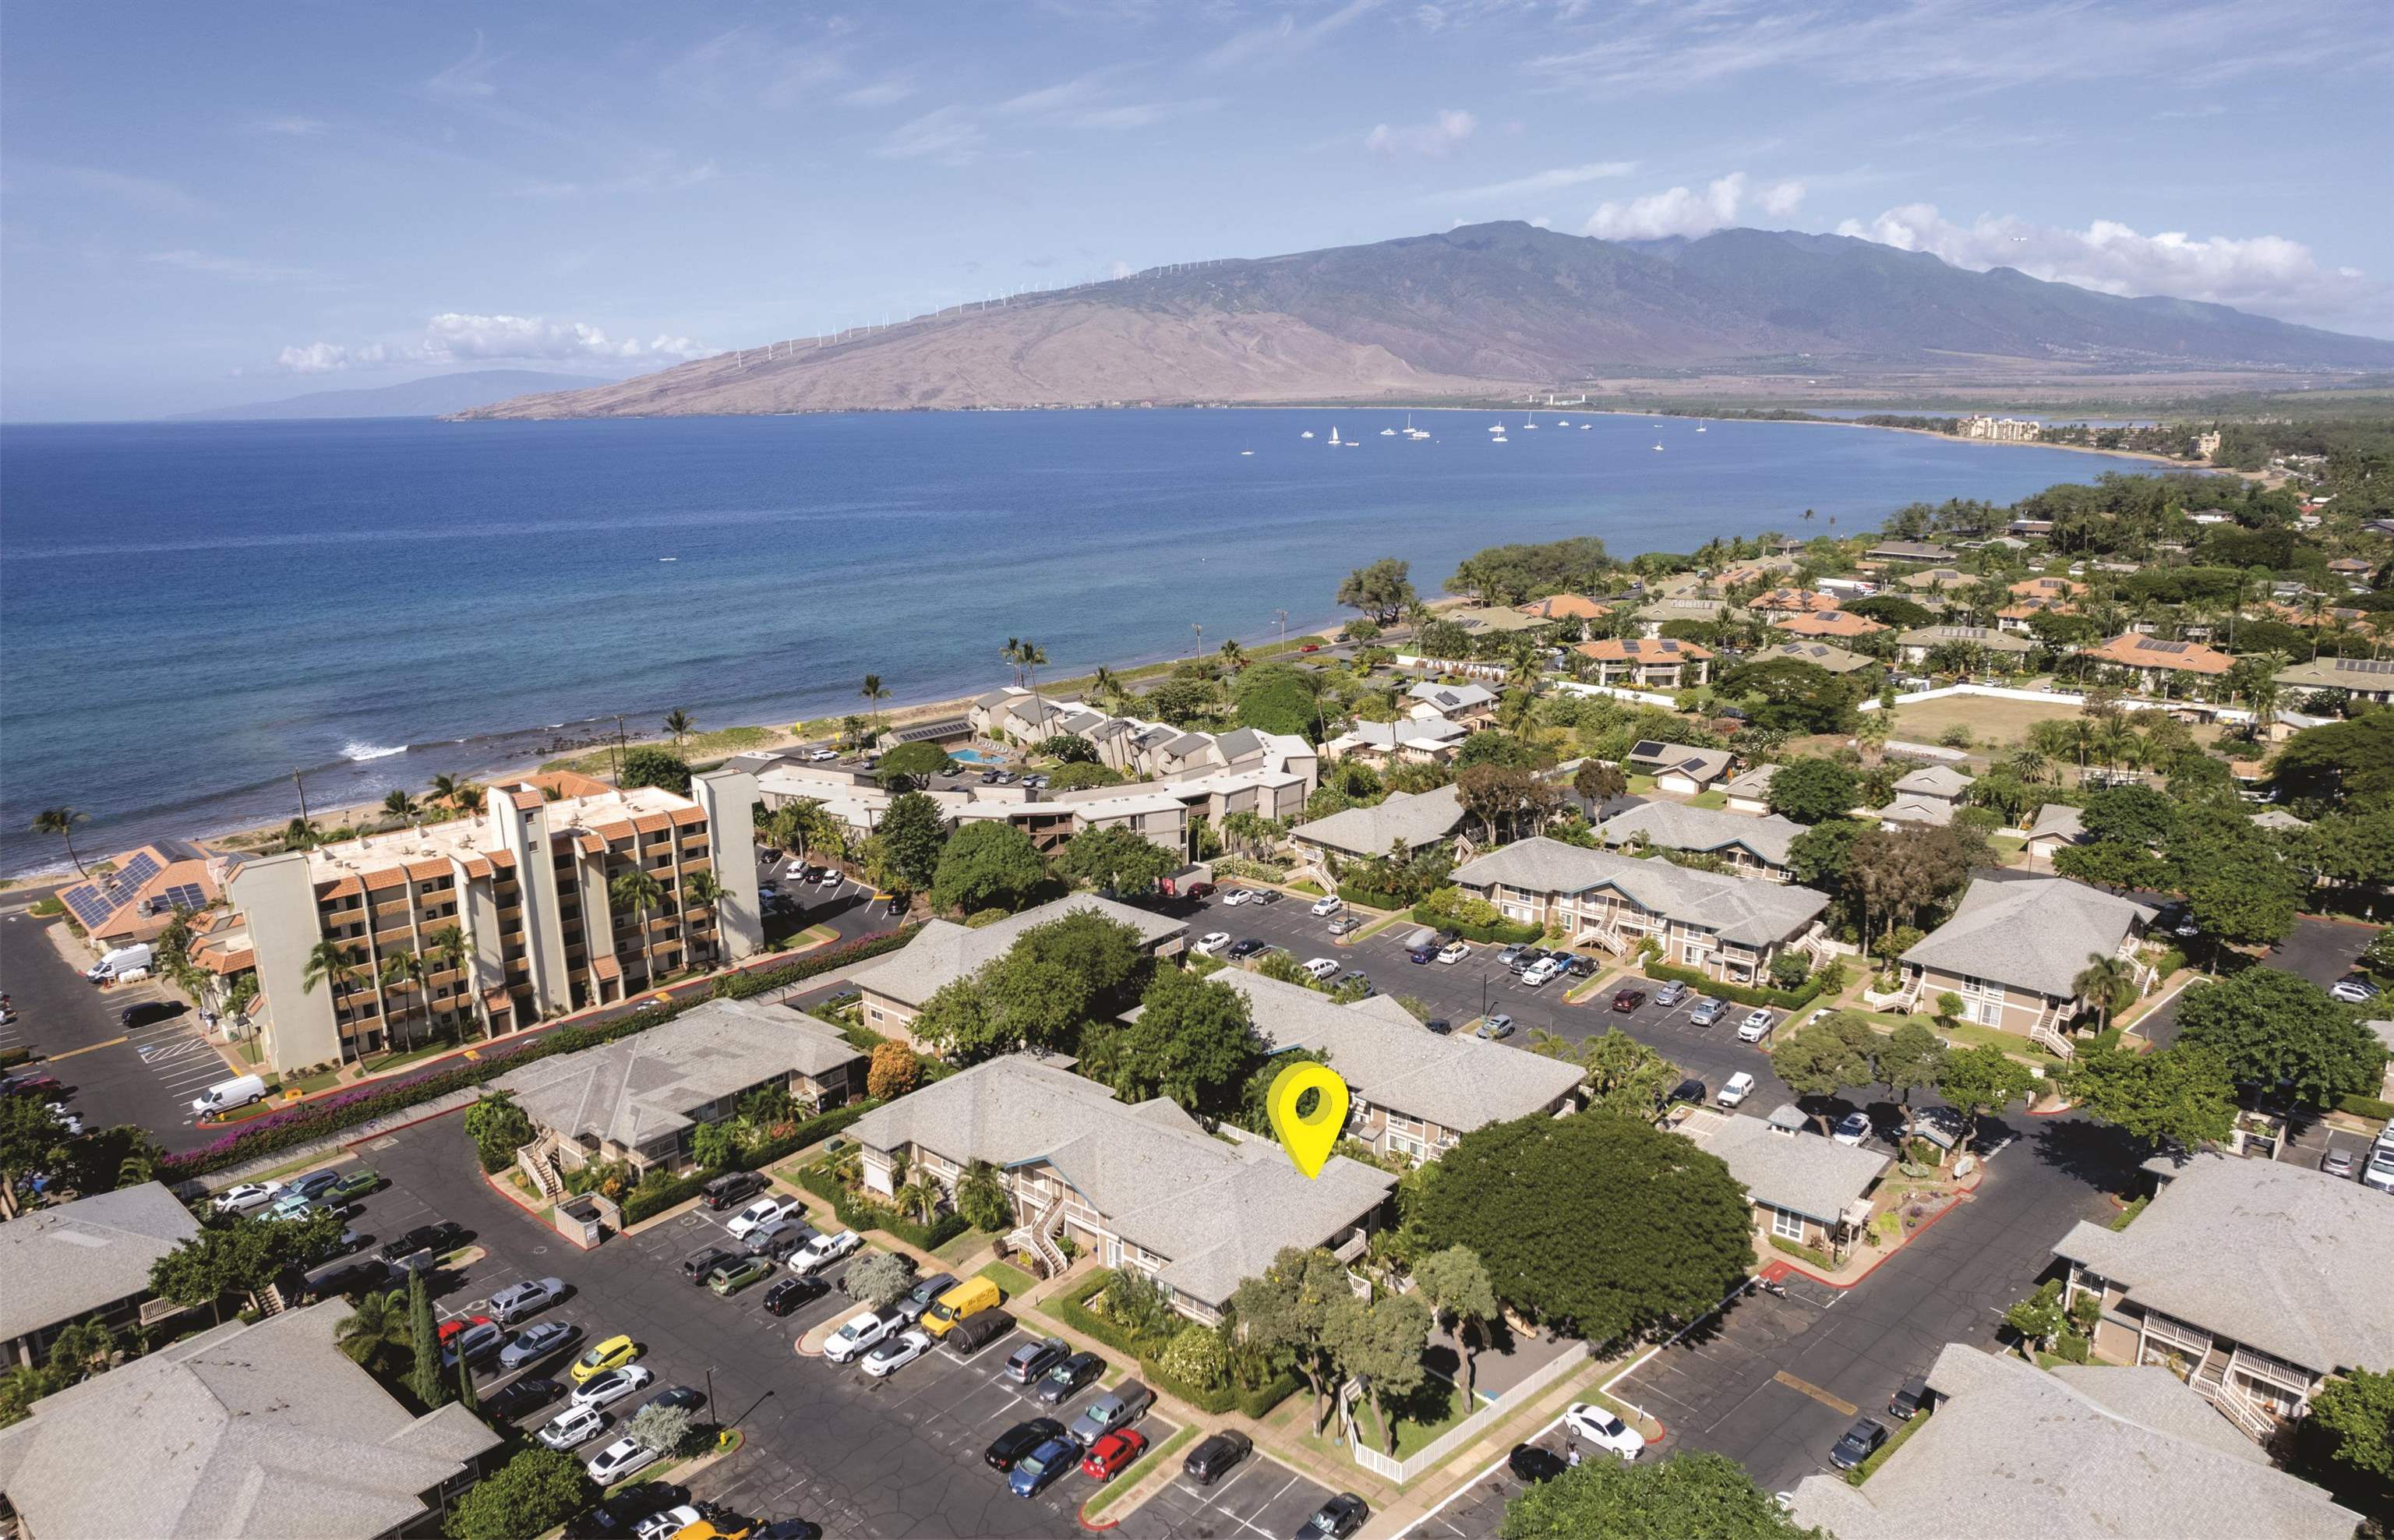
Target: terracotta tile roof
(525, 800)
(689, 815)
(387, 876)
(604, 966)
(2185, 657)
(2047, 588)
(2028, 607)
(425, 871)
(650, 824)
(1565, 607)
(503, 858)
(1828, 622)
(1791, 598)
(478, 866)
(340, 888)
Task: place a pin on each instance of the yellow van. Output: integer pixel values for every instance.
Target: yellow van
(969, 1297)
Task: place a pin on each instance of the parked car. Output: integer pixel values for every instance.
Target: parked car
(1212, 1459)
(351, 1186)
(732, 1188)
(1544, 970)
(1510, 955)
(613, 1386)
(619, 1514)
(2353, 989)
(1026, 1364)
(1424, 952)
(1211, 942)
(1238, 896)
(288, 1206)
(784, 1241)
(1243, 948)
(529, 1297)
(149, 1014)
(1437, 1024)
(914, 1301)
(445, 1236)
(1020, 1440)
(536, 1342)
(1454, 952)
(731, 1277)
(1269, 895)
(1909, 1401)
(1497, 1028)
(892, 1353)
(765, 1212)
(1531, 1465)
(2338, 1163)
(313, 1185)
(1852, 1129)
(671, 1522)
(1336, 1519)
(823, 1250)
(1625, 1000)
(1355, 978)
(1345, 925)
(247, 1197)
(975, 1332)
(625, 1457)
(524, 1396)
(2379, 1172)
(1861, 1442)
(575, 1425)
(699, 1264)
(1736, 1089)
(1322, 969)
(1063, 1380)
(1708, 1010)
(1671, 993)
(1755, 1028)
(1112, 1454)
(790, 1293)
(1581, 966)
(1034, 1471)
(474, 1344)
(1117, 1408)
(1689, 1089)
(1325, 907)
(857, 1333)
(1603, 1429)
(603, 1357)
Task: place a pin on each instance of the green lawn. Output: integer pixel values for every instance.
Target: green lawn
(1006, 1276)
(1434, 1407)
(954, 1250)
(1709, 799)
(1969, 1035)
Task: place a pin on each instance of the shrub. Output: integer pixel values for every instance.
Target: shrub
(862, 1217)
(2367, 1106)
(1509, 932)
(1781, 1242)
(1071, 1307)
(1785, 999)
(1197, 1357)
(896, 1070)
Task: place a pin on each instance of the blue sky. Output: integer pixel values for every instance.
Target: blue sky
(209, 204)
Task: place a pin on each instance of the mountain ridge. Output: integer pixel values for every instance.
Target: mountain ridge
(1466, 311)
(434, 396)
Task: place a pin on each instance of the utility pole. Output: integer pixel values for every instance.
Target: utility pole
(303, 794)
(1200, 650)
(1284, 626)
(615, 753)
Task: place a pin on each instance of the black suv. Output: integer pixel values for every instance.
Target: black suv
(732, 1189)
(1861, 1442)
(150, 1013)
(1020, 1440)
(696, 1266)
(445, 1236)
(1207, 1462)
(1909, 1402)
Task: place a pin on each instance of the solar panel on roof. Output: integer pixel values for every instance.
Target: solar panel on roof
(2171, 646)
(184, 895)
(2365, 666)
(1646, 748)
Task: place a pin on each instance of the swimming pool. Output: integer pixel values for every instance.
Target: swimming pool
(966, 755)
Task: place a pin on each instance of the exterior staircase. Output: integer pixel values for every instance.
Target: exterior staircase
(539, 1157)
(1910, 999)
(2210, 1382)
(1038, 1237)
(1608, 937)
(2047, 1033)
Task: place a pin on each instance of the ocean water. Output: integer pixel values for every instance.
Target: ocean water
(191, 612)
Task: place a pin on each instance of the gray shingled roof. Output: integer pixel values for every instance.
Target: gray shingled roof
(1451, 697)
(2035, 934)
(2089, 1453)
(1935, 781)
(1680, 827)
(1430, 734)
(2285, 1257)
(944, 952)
(1755, 782)
(1739, 909)
(1820, 655)
(1701, 763)
(251, 1430)
(1219, 1210)
(57, 1264)
(1931, 812)
(1416, 819)
(1805, 1173)
(641, 1087)
(2059, 821)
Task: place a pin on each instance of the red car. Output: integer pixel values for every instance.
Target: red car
(1311, 647)
(1110, 1456)
(1629, 999)
(454, 1325)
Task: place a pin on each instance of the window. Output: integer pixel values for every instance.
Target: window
(1786, 1226)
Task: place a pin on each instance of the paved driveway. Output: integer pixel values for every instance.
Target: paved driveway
(899, 1456)
(1261, 1499)
(2322, 950)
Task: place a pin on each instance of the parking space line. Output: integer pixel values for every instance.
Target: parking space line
(1835, 1403)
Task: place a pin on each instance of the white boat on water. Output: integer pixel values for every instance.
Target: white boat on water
(1584, 426)
(1658, 449)
(1307, 434)
(1530, 422)
(1495, 427)
(1388, 433)
(1500, 439)
(1562, 422)
(1700, 427)
(1245, 452)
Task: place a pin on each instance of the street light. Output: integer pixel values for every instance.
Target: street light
(1201, 641)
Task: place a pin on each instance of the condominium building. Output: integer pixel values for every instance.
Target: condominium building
(527, 885)
(2018, 430)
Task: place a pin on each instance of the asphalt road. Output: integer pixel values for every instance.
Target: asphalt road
(895, 1457)
(2320, 950)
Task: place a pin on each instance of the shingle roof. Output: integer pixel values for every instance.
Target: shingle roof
(60, 1263)
(1803, 1173)
(2081, 1454)
(639, 1089)
(1977, 636)
(2058, 820)
(1701, 763)
(1680, 827)
(944, 952)
(253, 1430)
(2036, 933)
(1936, 781)
(2285, 1258)
(1220, 1210)
(1425, 733)
(1740, 909)
(1451, 697)
(1820, 655)
(1755, 782)
(1416, 819)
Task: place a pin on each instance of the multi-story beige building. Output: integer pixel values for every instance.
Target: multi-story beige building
(2018, 430)
(1648, 663)
(2015, 947)
(527, 884)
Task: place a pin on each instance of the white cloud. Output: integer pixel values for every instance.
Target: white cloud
(1434, 139)
(1119, 269)
(1780, 199)
(470, 76)
(454, 337)
(2268, 273)
(1536, 182)
(1680, 211)
(316, 358)
(1283, 39)
(217, 266)
(947, 134)
(296, 127)
(880, 93)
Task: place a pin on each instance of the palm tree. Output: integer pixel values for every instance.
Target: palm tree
(445, 789)
(328, 963)
(918, 1197)
(399, 805)
(1034, 658)
(300, 834)
(873, 695)
(1106, 685)
(1012, 653)
(677, 722)
(62, 821)
(372, 1330)
(403, 970)
(2106, 983)
(445, 951)
(468, 798)
(1233, 656)
(639, 892)
(702, 891)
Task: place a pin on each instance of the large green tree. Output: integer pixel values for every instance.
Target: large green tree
(654, 765)
(1291, 1309)
(1602, 1226)
(915, 763)
(2356, 1412)
(499, 1129)
(2180, 1094)
(431, 1387)
(1116, 858)
(2270, 1027)
(240, 1256)
(1383, 590)
(1983, 1080)
(1789, 695)
(1381, 1343)
(1195, 1042)
(535, 1492)
(988, 865)
(2352, 760)
(1691, 1497)
(1906, 1061)
(1812, 791)
(1826, 1058)
(909, 840)
(1461, 1297)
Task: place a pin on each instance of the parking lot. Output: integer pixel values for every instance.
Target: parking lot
(1478, 1511)
(895, 1457)
(1260, 1499)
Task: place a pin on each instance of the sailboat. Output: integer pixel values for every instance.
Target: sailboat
(1562, 422)
(1529, 421)
(1584, 426)
(1245, 452)
(1495, 427)
(1334, 435)
(1700, 427)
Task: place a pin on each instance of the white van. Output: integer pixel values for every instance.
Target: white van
(225, 1095)
(121, 963)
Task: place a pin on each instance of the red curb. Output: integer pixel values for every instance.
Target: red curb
(504, 1191)
(1885, 1256)
(1096, 1526)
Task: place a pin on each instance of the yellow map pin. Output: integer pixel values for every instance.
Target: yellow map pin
(1308, 1140)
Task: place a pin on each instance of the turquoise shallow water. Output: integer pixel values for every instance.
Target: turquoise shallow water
(189, 612)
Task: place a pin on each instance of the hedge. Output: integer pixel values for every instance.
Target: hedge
(2366, 1105)
(1744, 994)
(930, 1237)
(1510, 932)
(315, 1120)
(1370, 897)
(1781, 1242)
(1071, 1307)
(11, 1057)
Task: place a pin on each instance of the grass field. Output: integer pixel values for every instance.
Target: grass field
(1991, 721)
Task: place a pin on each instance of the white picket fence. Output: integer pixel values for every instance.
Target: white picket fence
(1461, 1434)
(2048, 697)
